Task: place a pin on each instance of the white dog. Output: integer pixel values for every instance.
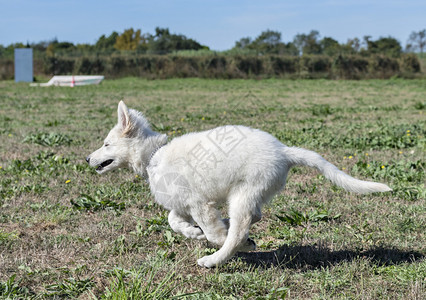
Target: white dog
(193, 175)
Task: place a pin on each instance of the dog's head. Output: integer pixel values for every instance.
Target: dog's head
(115, 152)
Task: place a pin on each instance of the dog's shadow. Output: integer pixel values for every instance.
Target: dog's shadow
(315, 257)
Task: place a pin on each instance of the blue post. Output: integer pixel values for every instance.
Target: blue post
(24, 65)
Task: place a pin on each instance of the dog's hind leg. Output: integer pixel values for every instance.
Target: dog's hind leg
(208, 218)
(256, 217)
(181, 224)
(241, 217)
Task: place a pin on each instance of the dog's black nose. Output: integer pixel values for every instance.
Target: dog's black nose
(88, 159)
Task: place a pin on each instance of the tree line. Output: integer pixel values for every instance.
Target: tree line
(270, 42)
(131, 40)
(162, 41)
(167, 55)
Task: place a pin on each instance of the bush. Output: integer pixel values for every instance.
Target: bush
(89, 66)
(116, 66)
(58, 66)
(184, 67)
(383, 66)
(284, 65)
(350, 67)
(313, 66)
(249, 65)
(410, 63)
(7, 69)
(227, 66)
(214, 67)
(143, 65)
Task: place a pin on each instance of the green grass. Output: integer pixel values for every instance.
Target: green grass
(67, 232)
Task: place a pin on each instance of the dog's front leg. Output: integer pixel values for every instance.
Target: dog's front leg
(181, 224)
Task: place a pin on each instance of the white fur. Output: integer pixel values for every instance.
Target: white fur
(193, 175)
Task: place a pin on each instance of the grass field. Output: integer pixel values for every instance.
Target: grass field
(66, 232)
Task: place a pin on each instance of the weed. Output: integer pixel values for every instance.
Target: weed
(69, 288)
(53, 123)
(120, 245)
(31, 176)
(387, 137)
(150, 281)
(406, 225)
(89, 203)
(254, 284)
(48, 139)
(408, 171)
(7, 237)
(407, 176)
(321, 110)
(402, 275)
(363, 232)
(13, 290)
(44, 163)
(420, 105)
(156, 224)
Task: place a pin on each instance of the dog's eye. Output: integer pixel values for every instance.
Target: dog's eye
(106, 144)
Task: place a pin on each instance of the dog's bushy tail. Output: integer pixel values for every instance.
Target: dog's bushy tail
(300, 156)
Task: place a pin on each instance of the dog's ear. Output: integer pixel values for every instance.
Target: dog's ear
(123, 115)
(127, 124)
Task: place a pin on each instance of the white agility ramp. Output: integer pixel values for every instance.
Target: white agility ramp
(72, 80)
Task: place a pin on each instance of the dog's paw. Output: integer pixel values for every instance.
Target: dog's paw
(208, 261)
(247, 246)
(194, 233)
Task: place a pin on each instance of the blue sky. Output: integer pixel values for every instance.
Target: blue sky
(217, 24)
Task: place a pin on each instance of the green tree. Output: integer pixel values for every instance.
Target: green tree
(387, 46)
(329, 46)
(289, 49)
(56, 46)
(268, 42)
(308, 43)
(86, 48)
(164, 42)
(354, 45)
(40, 46)
(417, 41)
(243, 43)
(106, 43)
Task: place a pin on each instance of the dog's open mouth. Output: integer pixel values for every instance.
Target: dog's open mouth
(104, 164)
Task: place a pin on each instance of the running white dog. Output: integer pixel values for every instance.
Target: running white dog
(193, 175)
